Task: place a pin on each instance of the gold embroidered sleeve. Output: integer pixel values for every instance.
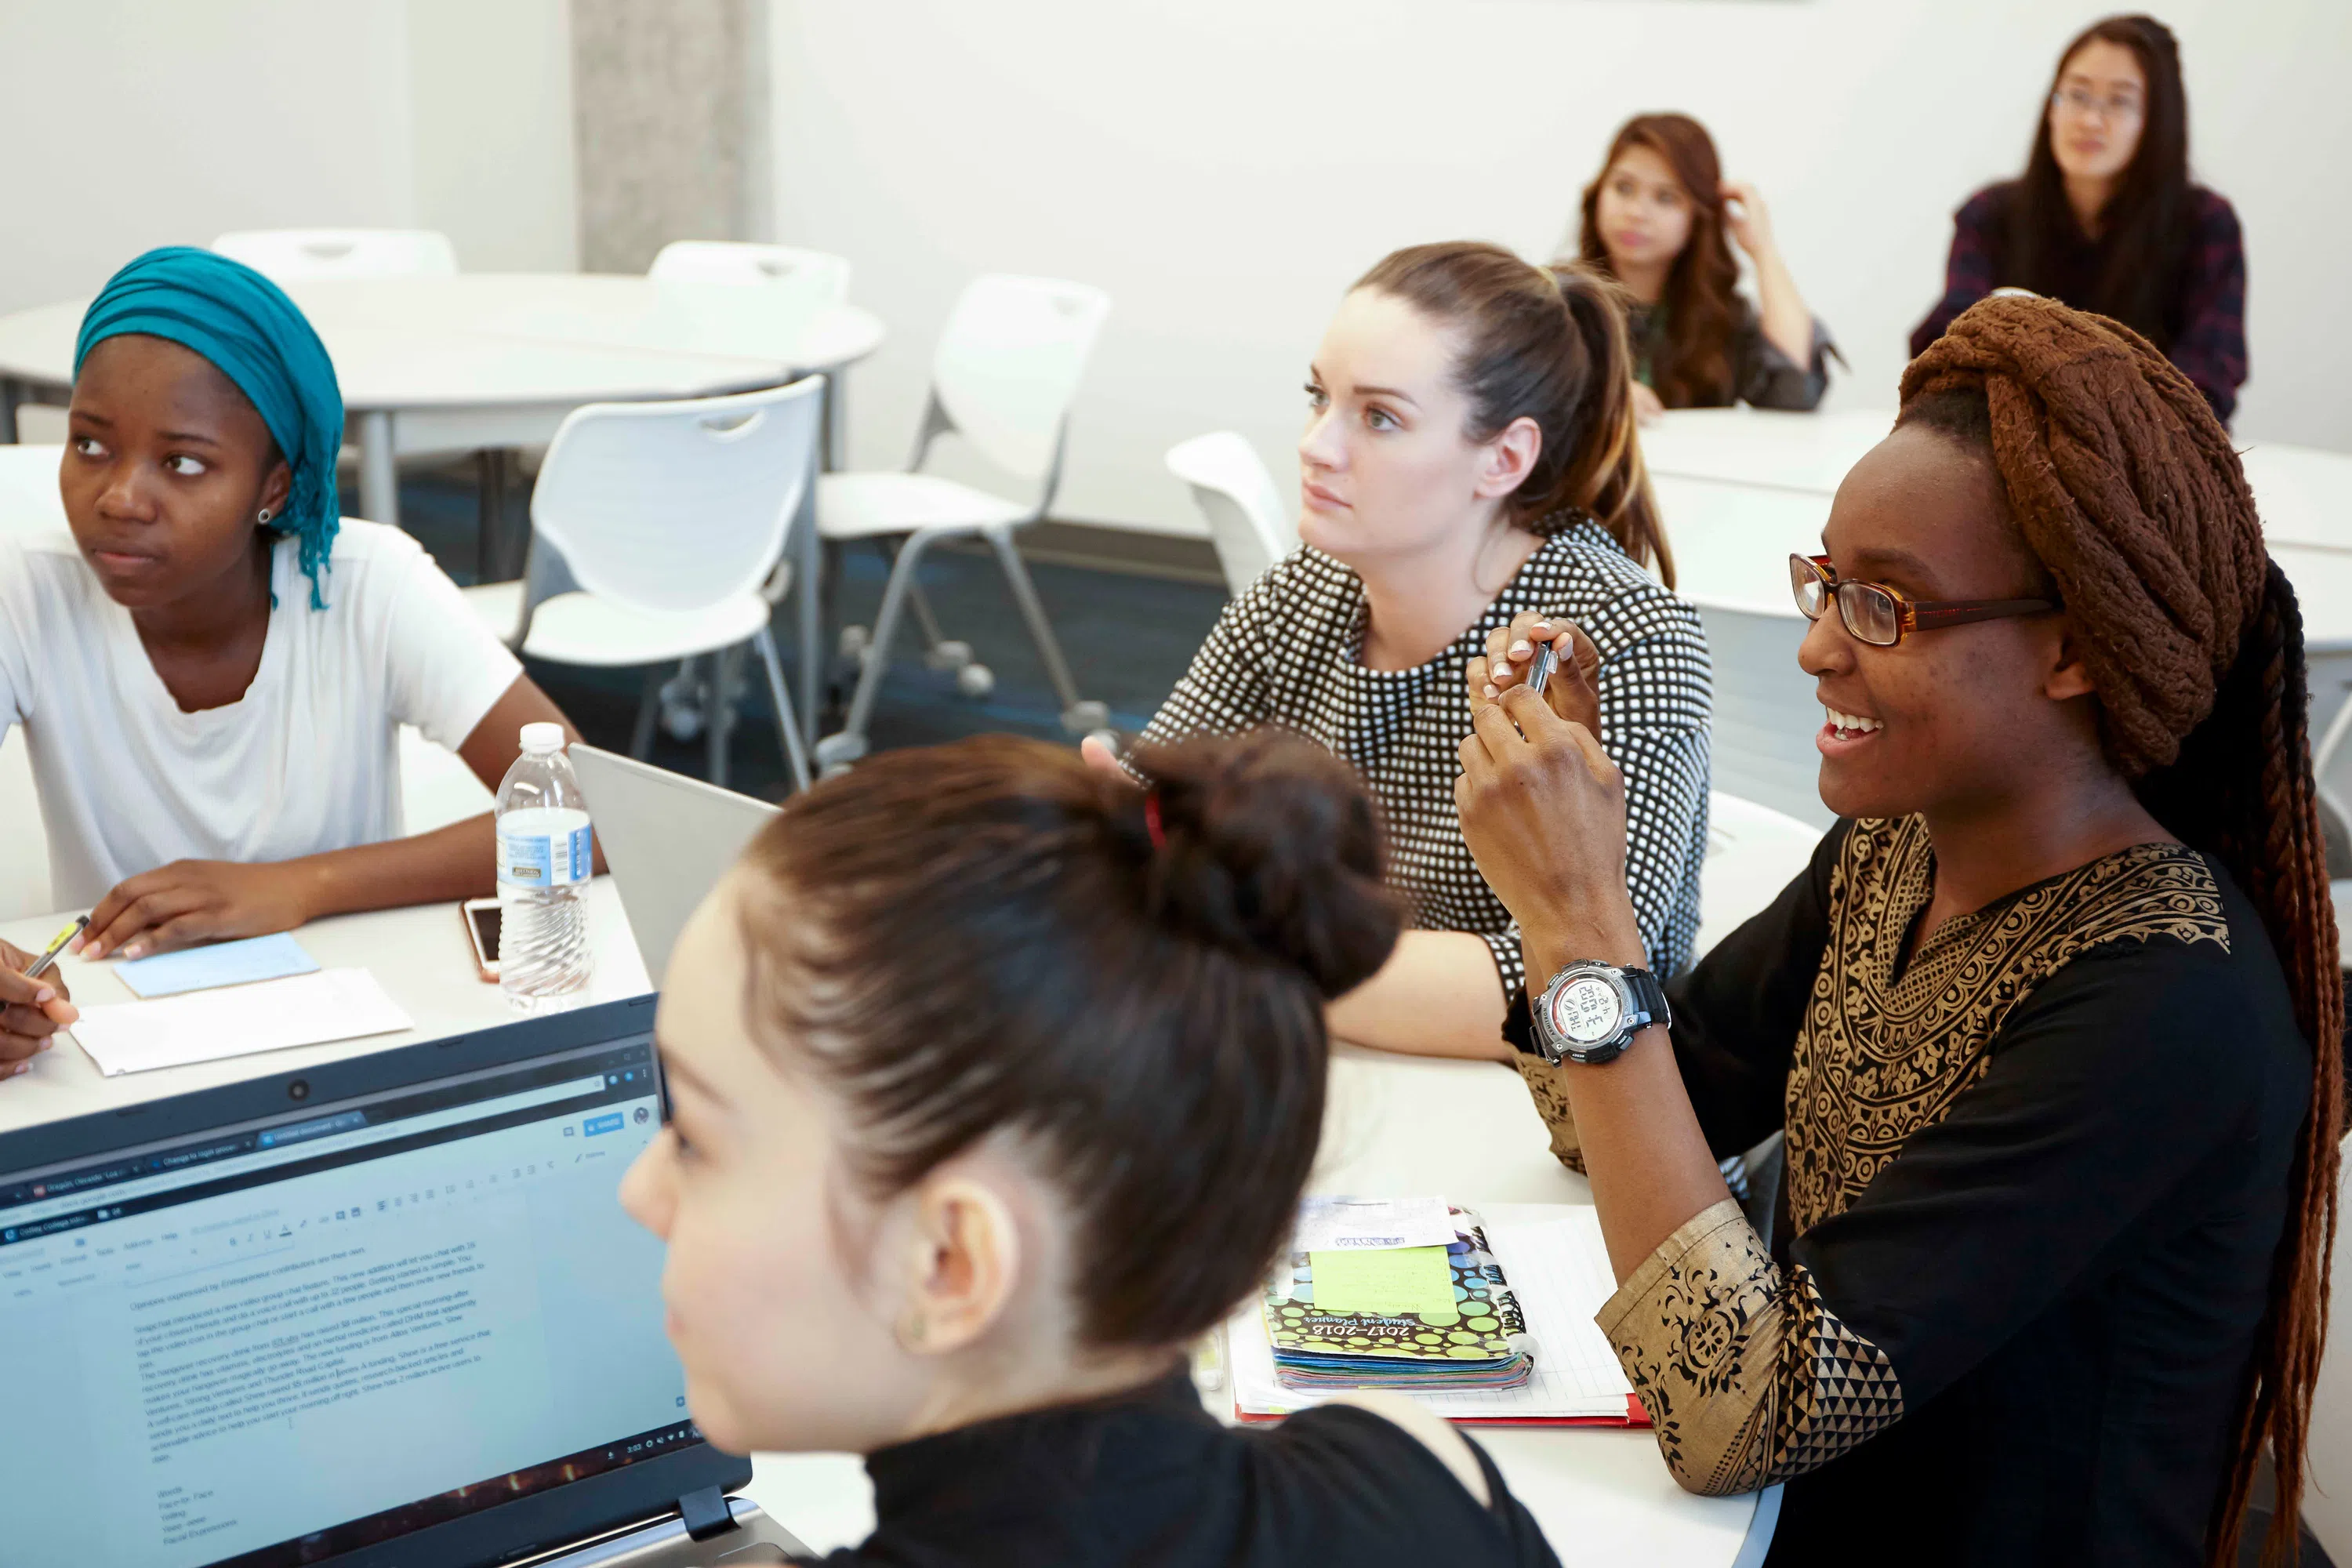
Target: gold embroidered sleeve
(1550, 1094)
(1747, 1376)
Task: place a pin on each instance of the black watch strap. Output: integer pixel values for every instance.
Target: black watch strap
(1650, 996)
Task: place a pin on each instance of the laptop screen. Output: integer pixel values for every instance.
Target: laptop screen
(286, 1339)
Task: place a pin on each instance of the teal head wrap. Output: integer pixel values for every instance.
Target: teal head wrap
(247, 326)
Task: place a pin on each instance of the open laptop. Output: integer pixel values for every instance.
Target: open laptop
(383, 1311)
(667, 839)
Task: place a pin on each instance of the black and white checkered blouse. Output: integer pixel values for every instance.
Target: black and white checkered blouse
(1287, 652)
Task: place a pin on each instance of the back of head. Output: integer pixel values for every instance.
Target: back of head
(1700, 298)
(2146, 221)
(990, 939)
(2126, 488)
(1548, 345)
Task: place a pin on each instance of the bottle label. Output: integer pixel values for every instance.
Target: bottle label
(545, 859)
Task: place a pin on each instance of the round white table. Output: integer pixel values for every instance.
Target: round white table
(497, 360)
(1741, 489)
(1395, 1126)
(489, 361)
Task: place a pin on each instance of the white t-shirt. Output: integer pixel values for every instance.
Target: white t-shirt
(306, 761)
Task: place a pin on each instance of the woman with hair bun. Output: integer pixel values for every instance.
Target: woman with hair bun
(2054, 1023)
(1655, 219)
(993, 1084)
(1469, 455)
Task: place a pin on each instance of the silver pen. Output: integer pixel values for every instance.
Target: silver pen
(1546, 660)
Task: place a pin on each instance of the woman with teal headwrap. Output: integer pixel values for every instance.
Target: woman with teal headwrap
(211, 669)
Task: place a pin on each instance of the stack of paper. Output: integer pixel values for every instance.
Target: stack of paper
(1558, 1269)
(204, 1025)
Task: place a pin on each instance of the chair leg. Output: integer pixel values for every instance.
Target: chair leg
(1078, 716)
(849, 743)
(641, 738)
(917, 601)
(787, 723)
(720, 713)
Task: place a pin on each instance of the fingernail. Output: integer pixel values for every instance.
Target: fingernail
(1491, 690)
(1501, 669)
(44, 1045)
(133, 951)
(1521, 647)
(76, 945)
(43, 994)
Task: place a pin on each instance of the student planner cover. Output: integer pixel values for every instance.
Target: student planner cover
(1553, 1255)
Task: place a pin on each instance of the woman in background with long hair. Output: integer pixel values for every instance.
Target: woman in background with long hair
(1655, 218)
(2104, 216)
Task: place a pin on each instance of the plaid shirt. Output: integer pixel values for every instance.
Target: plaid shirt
(2206, 324)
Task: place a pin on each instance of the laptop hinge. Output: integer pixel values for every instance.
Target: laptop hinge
(706, 1513)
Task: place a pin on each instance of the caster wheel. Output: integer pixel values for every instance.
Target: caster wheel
(1084, 718)
(834, 753)
(975, 681)
(854, 643)
(950, 656)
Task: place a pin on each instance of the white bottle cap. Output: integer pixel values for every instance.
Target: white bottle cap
(542, 737)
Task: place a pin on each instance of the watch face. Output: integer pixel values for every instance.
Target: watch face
(1587, 1011)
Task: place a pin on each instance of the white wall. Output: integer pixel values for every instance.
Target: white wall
(1224, 168)
(142, 123)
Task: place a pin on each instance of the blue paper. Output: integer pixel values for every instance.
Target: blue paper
(224, 963)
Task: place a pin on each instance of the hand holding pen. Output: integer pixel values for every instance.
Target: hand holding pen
(33, 1004)
(1552, 656)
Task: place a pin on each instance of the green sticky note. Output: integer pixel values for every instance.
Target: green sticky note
(1389, 1280)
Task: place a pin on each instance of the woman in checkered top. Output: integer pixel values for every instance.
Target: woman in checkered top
(1470, 454)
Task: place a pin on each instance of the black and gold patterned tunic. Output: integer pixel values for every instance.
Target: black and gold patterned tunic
(2037, 1168)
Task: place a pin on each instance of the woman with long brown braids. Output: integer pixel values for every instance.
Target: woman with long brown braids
(1656, 218)
(2049, 1269)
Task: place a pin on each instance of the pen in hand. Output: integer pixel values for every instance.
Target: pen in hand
(57, 945)
(34, 1011)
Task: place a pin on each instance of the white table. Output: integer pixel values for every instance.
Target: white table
(1604, 1497)
(488, 361)
(492, 360)
(1741, 489)
(421, 956)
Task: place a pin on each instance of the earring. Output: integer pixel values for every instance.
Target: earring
(263, 516)
(912, 1330)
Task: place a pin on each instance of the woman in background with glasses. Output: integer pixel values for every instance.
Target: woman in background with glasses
(2104, 216)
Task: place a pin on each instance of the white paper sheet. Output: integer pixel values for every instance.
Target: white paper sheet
(205, 1025)
(1330, 1225)
(1554, 1262)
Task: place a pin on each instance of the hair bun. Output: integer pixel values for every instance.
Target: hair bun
(1269, 845)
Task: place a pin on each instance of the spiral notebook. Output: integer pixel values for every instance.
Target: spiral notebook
(1557, 1271)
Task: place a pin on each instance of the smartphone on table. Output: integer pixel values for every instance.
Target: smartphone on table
(482, 930)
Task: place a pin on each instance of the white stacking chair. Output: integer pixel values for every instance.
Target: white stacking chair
(1752, 852)
(655, 525)
(1247, 521)
(1003, 377)
(1766, 714)
(283, 254)
(823, 275)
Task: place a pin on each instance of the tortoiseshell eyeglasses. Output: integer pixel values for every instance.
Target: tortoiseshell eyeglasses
(1883, 617)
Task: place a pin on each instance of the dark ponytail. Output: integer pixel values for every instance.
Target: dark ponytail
(1548, 345)
(989, 939)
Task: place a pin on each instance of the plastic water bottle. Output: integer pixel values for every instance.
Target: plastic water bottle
(545, 856)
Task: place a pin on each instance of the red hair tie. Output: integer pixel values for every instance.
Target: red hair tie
(1151, 819)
